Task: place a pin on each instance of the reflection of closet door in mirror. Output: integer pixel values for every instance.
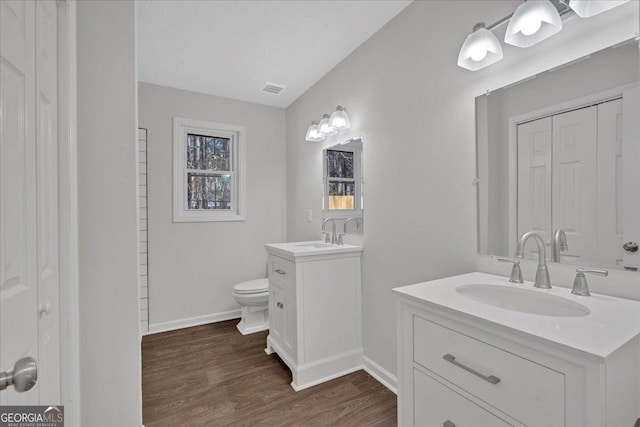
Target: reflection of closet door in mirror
(609, 246)
(534, 181)
(631, 176)
(574, 193)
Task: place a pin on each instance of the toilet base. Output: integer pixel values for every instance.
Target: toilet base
(254, 319)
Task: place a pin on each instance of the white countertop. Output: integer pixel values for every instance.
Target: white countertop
(611, 323)
(302, 249)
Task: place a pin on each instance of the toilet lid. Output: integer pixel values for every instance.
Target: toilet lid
(252, 286)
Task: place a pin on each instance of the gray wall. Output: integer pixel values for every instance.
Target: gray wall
(107, 179)
(193, 266)
(415, 110)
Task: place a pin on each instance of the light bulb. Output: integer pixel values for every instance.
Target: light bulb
(589, 8)
(532, 22)
(324, 126)
(530, 27)
(480, 49)
(340, 119)
(313, 133)
(478, 54)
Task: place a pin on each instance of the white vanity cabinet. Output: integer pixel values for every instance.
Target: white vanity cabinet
(315, 310)
(460, 364)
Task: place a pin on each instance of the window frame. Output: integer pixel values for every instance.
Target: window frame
(182, 127)
(355, 147)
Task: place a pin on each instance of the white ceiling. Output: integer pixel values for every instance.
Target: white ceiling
(231, 48)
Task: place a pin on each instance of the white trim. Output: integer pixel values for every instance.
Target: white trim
(512, 147)
(182, 126)
(325, 379)
(383, 376)
(155, 328)
(68, 213)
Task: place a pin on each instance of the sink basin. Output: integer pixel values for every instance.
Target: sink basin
(316, 245)
(523, 300)
(313, 248)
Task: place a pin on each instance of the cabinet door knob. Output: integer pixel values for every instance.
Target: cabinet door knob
(448, 424)
(630, 247)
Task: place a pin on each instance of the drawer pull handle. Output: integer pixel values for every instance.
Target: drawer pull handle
(282, 272)
(448, 424)
(451, 359)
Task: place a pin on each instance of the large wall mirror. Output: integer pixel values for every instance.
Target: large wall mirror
(560, 151)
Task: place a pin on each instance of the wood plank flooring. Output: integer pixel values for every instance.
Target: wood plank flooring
(211, 375)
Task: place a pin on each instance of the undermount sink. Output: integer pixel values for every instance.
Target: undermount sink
(315, 245)
(523, 300)
(304, 249)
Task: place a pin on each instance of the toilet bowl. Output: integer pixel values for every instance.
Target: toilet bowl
(253, 296)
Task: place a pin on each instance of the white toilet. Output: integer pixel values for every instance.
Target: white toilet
(253, 296)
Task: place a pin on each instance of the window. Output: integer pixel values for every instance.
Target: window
(343, 180)
(208, 182)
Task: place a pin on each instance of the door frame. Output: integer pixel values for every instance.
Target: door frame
(68, 213)
(512, 147)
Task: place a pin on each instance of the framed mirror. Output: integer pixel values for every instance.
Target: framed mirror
(559, 151)
(343, 186)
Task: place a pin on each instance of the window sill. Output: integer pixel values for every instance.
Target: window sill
(207, 217)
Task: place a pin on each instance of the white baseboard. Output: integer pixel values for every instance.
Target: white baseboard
(383, 376)
(155, 328)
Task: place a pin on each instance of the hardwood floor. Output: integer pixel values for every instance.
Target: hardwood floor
(211, 375)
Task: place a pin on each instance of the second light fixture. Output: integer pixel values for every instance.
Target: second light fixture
(328, 125)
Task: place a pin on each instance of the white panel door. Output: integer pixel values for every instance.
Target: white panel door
(47, 203)
(534, 181)
(18, 252)
(631, 175)
(574, 194)
(609, 244)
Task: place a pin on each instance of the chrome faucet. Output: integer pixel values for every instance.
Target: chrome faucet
(542, 273)
(559, 244)
(348, 220)
(326, 233)
(344, 227)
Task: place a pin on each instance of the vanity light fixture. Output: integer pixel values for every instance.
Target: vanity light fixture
(339, 119)
(532, 22)
(480, 49)
(324, 127)
(313, 133)
(589, 8)
(328, 125)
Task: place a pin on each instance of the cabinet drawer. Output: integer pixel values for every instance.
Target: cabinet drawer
(437, 405)
(526, 391)
(281, 272)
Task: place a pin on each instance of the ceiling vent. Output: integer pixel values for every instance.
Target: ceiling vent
(273, 88)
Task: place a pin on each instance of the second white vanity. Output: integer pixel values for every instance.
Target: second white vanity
(315, 323)
(477, 350)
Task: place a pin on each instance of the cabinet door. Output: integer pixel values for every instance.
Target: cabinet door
(289, 341)
(437, 405)
(276, 315)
